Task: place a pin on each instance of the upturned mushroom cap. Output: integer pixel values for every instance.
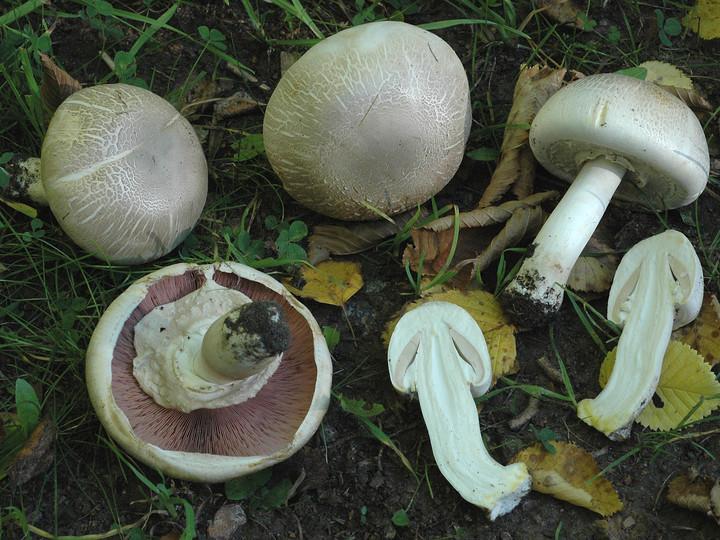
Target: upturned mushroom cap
(374, 116)
(635, 123)
(208, 444)
(124, 173)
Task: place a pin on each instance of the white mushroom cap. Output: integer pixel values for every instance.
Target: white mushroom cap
(124, 173)
(208, 444)
(635, 123)
(375, 115)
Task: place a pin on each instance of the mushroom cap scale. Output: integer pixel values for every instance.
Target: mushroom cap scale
(124, 173)
(650, 132)
(374, 116)
(208, 445)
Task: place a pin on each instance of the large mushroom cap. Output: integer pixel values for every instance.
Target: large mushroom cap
(208, 444)
(124, 173)
(373, 116)
(633, 122)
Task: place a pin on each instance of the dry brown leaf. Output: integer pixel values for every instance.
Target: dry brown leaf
(36, 455)
(433, 248)
(523, 223)
(703, 334)
(594, 271)
(563, 12)
(697, 493)
(491, 215)
(56, 85)
(330, 282)
(565, 476)
(499, 332)
(516, 167)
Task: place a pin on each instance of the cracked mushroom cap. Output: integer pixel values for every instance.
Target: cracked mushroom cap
(208, 444)
(123, 172)
(635, 123)
(375, 116)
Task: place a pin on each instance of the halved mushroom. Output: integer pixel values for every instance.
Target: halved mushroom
(611, 136)
(438, 351)
(657, 288)
(209, 372)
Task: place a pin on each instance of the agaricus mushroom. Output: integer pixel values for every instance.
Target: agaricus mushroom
(373, 118)
(657, 288)
(438, 351)
(610, 135)
(186, 371)
(123, 172)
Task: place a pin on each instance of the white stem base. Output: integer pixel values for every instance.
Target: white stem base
(536, 293)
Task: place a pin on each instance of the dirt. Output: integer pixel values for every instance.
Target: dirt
(349, 483)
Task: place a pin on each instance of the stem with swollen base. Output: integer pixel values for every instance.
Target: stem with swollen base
(536, 292)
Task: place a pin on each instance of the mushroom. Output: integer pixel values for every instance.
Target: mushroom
(372, 119)
(658, 287)
(188, 372)
(610, 135)
(438, 351)
(123, 172)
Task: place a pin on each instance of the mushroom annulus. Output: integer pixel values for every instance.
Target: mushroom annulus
(658, 287)
(208, 372)
(611, 136)
(371, 120)
(123, 173)
(438, 351)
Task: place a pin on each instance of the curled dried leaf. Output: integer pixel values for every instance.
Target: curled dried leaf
(697, 493)
(56, 84)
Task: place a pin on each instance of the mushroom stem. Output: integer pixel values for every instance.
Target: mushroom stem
(536, 292)
(658, 287)
(451, 418)
(242, 342)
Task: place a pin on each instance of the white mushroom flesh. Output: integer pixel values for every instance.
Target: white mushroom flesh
(658, 287)
(438, 351)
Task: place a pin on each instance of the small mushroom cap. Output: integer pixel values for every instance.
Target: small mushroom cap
(124, 173)
(208, 445)
(376, 115)
(675, 250)
(466, 336)
(636, 123)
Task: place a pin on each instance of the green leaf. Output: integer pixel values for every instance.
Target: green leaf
(28, 406)
(483, 154)
(400, 518)
(248, 147)
(359, 407)
(636, 72)
(277, 495)
(241, 488)
(332, 336)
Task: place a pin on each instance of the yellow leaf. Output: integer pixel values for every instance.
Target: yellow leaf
(29, 211)
(496, 327)
(703, 334)
(685, 378)
(704, 19)
(330, 282)
(565, 475)
(666, 74)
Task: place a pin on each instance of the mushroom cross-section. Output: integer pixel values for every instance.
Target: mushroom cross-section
(438, 351)
(209, 372)
(610, 135)
(372, 119)
(123, 172)
(658, 287)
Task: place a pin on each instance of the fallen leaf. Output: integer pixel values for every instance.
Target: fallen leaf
(56, 84)
(703, 334)
(516, 167)
(704, 19)
(430, 247)
(499, 332)
(565, 475)
(330, 282)
(594, 271)
(697, 493)
(36, 455)
(684, 380)
(563, 12)
(664, 74)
